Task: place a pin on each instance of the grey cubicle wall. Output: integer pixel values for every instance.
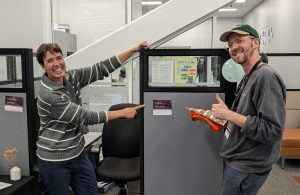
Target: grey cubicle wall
(14, 134)
(288, 67)
(181, 156)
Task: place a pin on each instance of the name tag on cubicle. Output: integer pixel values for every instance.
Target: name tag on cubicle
(162, 107)
(14, 104)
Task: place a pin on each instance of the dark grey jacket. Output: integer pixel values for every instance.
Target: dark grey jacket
(254, 148)
(61, 115)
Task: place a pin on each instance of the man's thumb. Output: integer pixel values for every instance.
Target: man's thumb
(219, 100)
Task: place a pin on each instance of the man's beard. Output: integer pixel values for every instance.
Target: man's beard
(247, 55)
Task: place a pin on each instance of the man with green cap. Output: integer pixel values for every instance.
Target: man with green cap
(256, 119)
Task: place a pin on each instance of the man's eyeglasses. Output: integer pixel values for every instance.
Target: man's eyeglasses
(237, 42)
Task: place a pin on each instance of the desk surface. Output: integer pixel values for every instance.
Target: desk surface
(27, 185)
(91, 137)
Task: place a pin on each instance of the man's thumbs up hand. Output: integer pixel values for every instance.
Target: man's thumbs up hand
(220, 109)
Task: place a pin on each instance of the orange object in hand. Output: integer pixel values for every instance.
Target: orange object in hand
(216, 127)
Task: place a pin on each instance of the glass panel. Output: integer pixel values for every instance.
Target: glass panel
(3, 68)
(149, 5)
(10, 71)
(37, 69)
(119, 76)
(184, 71)
(141, 7)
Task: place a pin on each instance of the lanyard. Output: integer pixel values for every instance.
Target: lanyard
(242, 85)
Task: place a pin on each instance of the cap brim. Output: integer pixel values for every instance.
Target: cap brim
(224, 37)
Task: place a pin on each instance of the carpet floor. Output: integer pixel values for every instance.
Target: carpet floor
(282, 181)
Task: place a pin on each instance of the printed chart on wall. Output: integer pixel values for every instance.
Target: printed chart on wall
(162, 70)
(176, 71)
(185, 70)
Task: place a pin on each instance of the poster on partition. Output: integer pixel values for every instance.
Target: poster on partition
(162, 71)
(185, 70)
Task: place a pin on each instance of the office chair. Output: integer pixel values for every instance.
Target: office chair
(121, 150)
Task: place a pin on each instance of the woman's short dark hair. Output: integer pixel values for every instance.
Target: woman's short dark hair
(42, 50)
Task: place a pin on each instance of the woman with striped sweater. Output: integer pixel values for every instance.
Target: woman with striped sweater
(62, 161)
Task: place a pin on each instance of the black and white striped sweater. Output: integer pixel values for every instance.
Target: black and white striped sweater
(61, 115)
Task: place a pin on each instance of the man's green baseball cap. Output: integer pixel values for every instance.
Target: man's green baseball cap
(242, 29)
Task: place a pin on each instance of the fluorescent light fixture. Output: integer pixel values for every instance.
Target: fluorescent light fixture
(240, 1)
(227, 10)
(151, 2)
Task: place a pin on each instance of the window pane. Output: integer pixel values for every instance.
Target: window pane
(10, 71)
(184, 71)
(3, 68)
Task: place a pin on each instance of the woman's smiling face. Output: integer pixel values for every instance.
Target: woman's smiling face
(54, 66)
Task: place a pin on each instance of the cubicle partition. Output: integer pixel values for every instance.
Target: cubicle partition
(16, 104)
(181, 156)
(287, 65)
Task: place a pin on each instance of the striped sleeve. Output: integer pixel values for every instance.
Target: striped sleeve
(96, 72)
(64, 110)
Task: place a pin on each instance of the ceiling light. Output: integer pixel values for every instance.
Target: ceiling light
(240, 1)
(227, 10)
(151, 2)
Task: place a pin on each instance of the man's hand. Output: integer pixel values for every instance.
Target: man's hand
(220, 110)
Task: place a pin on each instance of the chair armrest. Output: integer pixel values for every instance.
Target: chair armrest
(95, 149)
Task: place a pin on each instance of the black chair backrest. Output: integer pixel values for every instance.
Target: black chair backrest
(121, 137)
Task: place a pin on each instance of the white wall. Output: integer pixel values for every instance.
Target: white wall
(198, 37)
(278, 24)
(90, 20)
(222, 25)
(283, 17)
(24, 24)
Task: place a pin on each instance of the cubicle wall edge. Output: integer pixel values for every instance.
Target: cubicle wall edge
(29, 86)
